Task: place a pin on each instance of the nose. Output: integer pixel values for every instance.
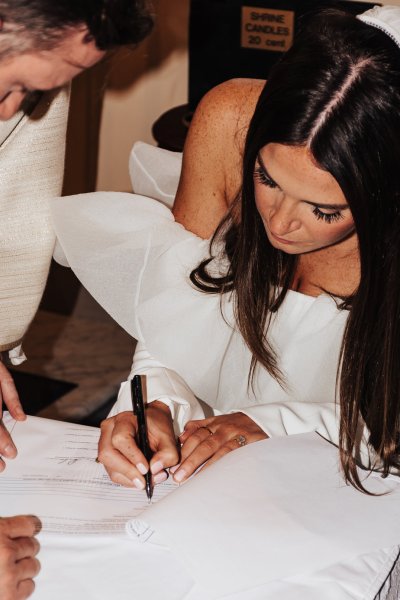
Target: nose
(283, 218)
(11, 104)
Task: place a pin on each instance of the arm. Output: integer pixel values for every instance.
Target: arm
(8, 395)
(170, 403)
(211, 167)
(18, 548)
(210, 180)
(207, 440)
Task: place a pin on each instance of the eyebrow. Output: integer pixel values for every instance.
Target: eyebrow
(316, 204)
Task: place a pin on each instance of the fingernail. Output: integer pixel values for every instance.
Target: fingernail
(37, 523)
(173, 469)
(140, 467)
(138, 484)
(157, 467)
(10, 451)
(181, 474)
(20, 412)
(160, 477)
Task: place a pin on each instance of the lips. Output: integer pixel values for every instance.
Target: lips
(281, 240)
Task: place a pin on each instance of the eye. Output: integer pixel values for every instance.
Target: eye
(327, 217)
(263, 178)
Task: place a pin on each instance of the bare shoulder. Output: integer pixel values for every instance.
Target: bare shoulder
(211, 170)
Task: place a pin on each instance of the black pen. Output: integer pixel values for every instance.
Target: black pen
(143, 440)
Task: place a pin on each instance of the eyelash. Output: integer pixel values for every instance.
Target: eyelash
(264, 179)
(327, 217)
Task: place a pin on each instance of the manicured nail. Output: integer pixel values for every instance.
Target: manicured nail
(181, 474)
(157, 467)
(174, 469)
(138, 484)
(160, 477)
(10, 451)
(140, 467)
(20, 412)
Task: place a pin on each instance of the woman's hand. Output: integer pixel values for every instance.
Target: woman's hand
(8, 395)
(207, 440)
(18, 565)
(120, 455)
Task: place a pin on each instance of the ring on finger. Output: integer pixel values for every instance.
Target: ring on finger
(240, 440)
(208, 429)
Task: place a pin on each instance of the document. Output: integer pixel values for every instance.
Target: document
(56, 477)
(272, 510)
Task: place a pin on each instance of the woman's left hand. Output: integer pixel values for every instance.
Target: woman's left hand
(207, 440)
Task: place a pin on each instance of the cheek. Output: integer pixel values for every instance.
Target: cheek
(262, 201)
(334, 232)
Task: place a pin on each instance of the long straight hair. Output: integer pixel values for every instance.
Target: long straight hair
(336, 92)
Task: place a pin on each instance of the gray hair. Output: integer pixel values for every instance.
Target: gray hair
(30, 25)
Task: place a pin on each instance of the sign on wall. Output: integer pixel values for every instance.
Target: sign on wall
(267, 29)
(226, 36)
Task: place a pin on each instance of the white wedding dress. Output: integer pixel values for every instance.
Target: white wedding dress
(135, 260)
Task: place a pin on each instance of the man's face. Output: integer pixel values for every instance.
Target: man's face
(44, 69)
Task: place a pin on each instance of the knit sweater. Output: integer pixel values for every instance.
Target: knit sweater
(31, 173)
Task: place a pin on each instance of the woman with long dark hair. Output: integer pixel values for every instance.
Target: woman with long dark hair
(289, 321)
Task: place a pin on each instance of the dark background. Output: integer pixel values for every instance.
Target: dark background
(215, 37)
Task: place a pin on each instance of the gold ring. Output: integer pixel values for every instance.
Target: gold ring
(208, 429)
(241, 440)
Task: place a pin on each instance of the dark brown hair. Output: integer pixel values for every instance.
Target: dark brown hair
(336, 91)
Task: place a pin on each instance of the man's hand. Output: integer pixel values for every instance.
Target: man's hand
(18, 549)
(8, 395)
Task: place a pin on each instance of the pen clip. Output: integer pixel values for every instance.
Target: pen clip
(137, 396)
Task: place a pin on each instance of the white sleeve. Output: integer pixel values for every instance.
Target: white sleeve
(162, 384)
(288, 418)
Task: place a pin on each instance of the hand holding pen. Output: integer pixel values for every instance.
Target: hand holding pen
(119, 444)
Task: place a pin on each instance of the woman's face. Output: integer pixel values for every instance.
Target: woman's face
(302, 207)
(44, 69)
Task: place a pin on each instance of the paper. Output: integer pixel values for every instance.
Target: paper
(272, 510)
(56, 477)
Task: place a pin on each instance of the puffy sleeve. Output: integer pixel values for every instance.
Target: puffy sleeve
(109, 238)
